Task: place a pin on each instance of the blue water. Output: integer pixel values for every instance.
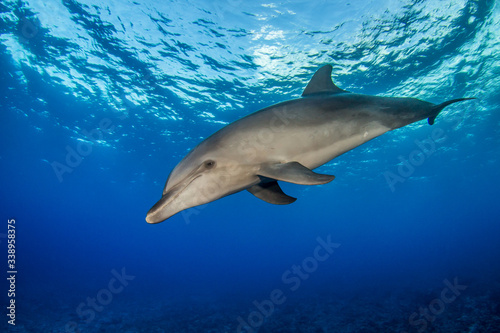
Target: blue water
(101, 99)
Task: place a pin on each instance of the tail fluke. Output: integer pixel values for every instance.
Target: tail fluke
(438, 108)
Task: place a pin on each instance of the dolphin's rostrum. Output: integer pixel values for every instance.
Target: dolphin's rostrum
(284, 142)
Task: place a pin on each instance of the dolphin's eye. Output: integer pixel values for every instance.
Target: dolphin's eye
(210, 164)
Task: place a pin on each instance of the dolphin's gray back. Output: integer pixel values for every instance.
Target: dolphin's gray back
(311, 130)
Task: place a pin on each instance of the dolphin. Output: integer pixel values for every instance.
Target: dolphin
(285, 142)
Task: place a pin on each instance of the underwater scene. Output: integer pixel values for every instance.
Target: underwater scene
(141, 191)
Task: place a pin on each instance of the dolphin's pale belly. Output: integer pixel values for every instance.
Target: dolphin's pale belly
(329, 141)
(335, 146)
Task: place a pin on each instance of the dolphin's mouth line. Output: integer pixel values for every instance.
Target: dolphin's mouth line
(165, 200)
(182, 190)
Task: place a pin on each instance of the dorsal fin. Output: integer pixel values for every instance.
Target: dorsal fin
(321, 82)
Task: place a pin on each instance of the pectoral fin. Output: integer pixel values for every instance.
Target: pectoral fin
(271, 192)
(294, 172)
